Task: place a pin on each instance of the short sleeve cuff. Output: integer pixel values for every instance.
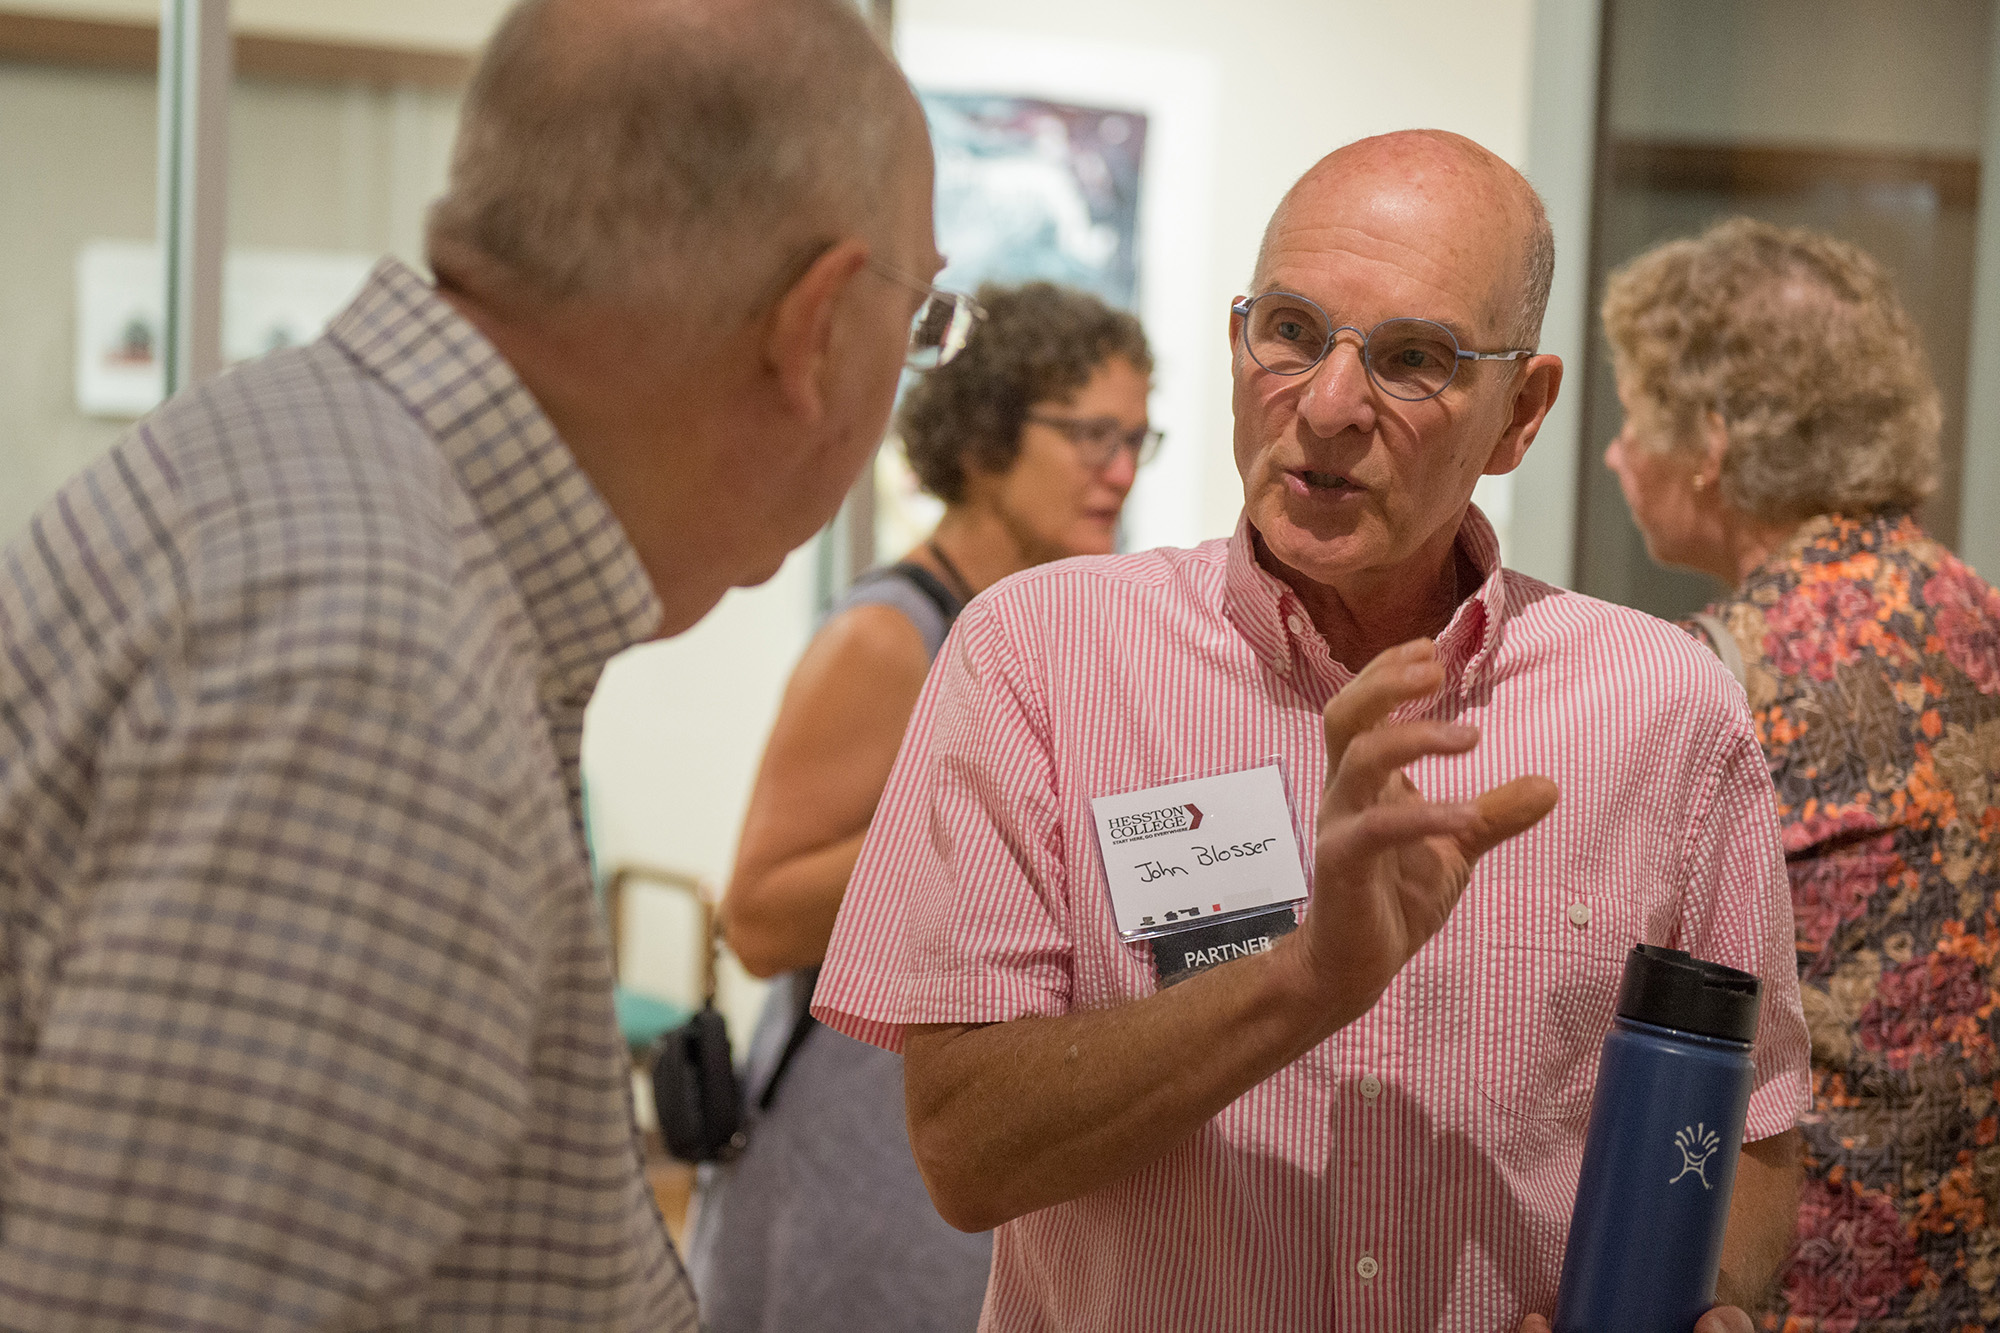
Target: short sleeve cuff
(878, 1008)
(1777, 1105)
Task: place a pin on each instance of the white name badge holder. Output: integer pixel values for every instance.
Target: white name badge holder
(1197, 851)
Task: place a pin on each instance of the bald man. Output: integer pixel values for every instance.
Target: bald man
(1250, 917)
(305, 1001)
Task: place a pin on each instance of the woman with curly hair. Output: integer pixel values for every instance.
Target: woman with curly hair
(1781, 426)
(1031, 436)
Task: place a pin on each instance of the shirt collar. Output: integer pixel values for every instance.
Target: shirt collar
(587, 594)
(1273, 621)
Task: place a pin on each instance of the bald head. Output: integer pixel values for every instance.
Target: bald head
(1438, 191)
(624, 150)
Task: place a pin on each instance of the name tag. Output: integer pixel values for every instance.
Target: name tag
(1178, 956)
(1188, 852)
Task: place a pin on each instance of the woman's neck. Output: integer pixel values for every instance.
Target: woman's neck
(1747, 543)
(977, 547)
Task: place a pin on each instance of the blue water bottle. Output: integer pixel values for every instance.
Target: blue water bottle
(1666, 1123)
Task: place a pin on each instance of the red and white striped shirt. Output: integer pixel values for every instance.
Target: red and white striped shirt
(1417, 1169)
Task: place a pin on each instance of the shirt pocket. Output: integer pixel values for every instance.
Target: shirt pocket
(1530, 1020)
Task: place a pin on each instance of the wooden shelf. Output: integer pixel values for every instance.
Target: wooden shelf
(1754, 168)
(97, 44)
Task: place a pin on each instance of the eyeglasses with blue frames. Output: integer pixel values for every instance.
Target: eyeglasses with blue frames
(939, 329)
(1407, 358)
(1098, 440)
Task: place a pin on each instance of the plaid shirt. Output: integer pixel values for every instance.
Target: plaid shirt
(305, 1003)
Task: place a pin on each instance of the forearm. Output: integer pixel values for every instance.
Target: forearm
(1763, 1210)
(1011, 1117)
(779, 919)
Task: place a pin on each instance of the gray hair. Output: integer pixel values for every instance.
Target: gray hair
(1538, 273)
(1798, 341)
(680, 149)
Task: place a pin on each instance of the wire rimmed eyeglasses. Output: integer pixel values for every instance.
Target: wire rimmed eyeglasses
(942, 324)
(1098, 440)
(1407, 358)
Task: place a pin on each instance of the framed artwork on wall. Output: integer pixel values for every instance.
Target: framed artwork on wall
(1089, 164)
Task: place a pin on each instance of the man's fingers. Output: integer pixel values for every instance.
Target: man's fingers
(1534, 1323)
(1508, 809)
(1382, 828)
(1357, 778)
(1397, 675)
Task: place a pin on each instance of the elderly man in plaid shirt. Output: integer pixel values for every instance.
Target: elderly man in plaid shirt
(305, 1005)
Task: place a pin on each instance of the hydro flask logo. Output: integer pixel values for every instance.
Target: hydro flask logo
(1697, 1143)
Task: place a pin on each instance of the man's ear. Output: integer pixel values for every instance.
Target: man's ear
(1532, 401)
(798, 335)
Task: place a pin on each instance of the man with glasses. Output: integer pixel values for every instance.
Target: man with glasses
(1250, 917)
(305, 1000)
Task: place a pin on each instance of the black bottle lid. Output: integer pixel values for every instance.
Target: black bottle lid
(1672, 989)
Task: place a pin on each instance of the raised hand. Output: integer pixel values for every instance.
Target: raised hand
(1389, 866)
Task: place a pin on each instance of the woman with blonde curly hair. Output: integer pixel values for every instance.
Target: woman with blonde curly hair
(1781, 426)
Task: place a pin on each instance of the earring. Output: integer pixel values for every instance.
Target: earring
(1700, 481)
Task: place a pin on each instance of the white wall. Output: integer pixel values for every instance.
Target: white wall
(1562, 146)
(670, 747)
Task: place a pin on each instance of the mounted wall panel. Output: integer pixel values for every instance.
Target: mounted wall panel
(1847, 116)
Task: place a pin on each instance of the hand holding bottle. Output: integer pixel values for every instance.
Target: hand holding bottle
(1721, 1319)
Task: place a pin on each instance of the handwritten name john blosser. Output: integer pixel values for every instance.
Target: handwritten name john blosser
(1209, 855)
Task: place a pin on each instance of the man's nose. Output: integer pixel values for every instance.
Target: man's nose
(1340, 394)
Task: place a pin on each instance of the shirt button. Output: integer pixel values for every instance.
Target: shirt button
(1295, 624)
(1579, 915)
(1371, 1087)
(1367, 1267)
(1283, 666)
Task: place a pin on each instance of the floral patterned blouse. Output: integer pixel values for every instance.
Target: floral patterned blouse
(1872, 663)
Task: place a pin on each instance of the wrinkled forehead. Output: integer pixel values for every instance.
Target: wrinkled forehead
(1375, 243)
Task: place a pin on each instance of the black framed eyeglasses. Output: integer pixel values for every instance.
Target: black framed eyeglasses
(1407, 358)
(939, 329)
(1098, 440)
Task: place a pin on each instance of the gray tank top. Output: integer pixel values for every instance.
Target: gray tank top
(913, 590)
(823, 1225)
